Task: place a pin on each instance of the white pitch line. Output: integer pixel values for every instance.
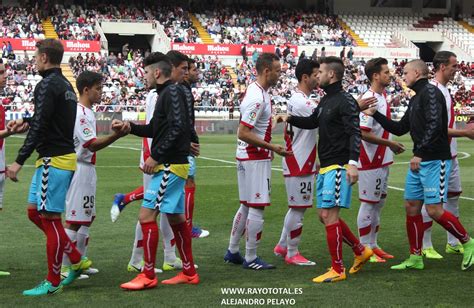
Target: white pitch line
(466, 155)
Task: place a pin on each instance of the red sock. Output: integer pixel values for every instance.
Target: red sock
(415, 233)
(150, 243)
(35, 218)
(452, 224)
(350, 239)
(56, 242)
(182, 235)
(189, 204)
(137, 194)
(427, 225)
(334, 239)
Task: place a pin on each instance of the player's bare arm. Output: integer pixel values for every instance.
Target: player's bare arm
(459, 133)
(396, 147)
(246, 135)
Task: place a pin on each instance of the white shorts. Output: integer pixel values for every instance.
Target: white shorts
(2, 185)
(300, 190)
(254, 179)
(80, 198)
(454, 184)
(146, 180)
(373, 184)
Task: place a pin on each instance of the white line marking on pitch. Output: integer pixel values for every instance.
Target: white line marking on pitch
(466, 155)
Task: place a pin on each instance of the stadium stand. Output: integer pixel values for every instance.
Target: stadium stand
(19, 22)
(273, 26)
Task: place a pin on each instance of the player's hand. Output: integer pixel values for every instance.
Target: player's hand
(352, 175)
(149, 165)
(124, 130)
(397, 147)
(469, 133)
(281, 150)
(19, 129)
(279, 118)
(195, 149)
(366, 103)
(116, 125)
(12, 171)
(13, 124)
(415, 163)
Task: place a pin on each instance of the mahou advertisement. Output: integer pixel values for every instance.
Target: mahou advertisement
(69, 46)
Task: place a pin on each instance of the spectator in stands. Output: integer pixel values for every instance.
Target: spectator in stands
(323, 52)
(350, 54)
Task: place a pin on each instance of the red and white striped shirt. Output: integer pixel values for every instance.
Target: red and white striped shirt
(451, 116)
(373, 156)
(301, 141)
(150, 102)
(255, 113)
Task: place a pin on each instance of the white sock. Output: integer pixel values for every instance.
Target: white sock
(82, 240)
(294, 227)
(137, 252)
(427, 230)
(254, 233)
(168, 239)
(452, 206)
(238, 228)
(364, 221)
(73, 237)
(374, 230)
(283, 237)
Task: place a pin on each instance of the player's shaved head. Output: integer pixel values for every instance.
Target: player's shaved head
(420, 66)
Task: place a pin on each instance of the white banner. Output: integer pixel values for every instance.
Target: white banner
(363, 52)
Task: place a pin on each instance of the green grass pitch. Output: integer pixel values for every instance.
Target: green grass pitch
(22, 245)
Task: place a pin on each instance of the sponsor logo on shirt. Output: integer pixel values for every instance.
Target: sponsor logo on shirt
(253, 115)
(87, 132)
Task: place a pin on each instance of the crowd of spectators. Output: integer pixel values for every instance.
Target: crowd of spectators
(124, 88)
(20, 22)
(273, 25)
(21, 81)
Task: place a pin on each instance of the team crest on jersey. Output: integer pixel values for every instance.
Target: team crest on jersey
(257, 196)
(87, 132)
(292, 199)
(73, 213)
(83, 121)
(257, 106)
(253, 115)
(364, 192)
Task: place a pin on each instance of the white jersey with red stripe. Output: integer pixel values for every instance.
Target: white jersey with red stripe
(150, 102)
(255, 113)
(451, 117)
(373, 156)
(84, 134)
(301, 141)
(2, 140)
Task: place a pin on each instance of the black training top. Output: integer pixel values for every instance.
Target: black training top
(170, 126)
(427, 121)
(337, 117)
(51, 130)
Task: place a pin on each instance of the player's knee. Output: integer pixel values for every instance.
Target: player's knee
(435, 211)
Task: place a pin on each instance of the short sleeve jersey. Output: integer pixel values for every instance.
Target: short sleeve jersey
(373, 156)
(451, 116)
(255, 113)
(84, 134)
(301, 141)
(150, 102)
